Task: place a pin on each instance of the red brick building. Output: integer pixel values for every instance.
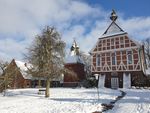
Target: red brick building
(16, 71)
(118, 58)
(19, 78)
(75, 64)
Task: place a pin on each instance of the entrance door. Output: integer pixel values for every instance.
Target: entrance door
(114, 83)
(126, 80)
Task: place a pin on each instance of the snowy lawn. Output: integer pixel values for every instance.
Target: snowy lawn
(62, 100)
(135, 101)
(68, 100)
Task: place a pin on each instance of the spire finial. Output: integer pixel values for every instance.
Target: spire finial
(75, 48)
(113, 16)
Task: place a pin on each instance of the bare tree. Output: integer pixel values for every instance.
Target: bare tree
(47, 56)
(87, 63)
(3, 66)
(146, 44)
(7, 75)
(3, 79)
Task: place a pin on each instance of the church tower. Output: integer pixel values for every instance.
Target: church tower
(75, 67)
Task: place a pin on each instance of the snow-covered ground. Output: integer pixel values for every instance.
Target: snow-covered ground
(135, 101)
(62, 100)
(68, 100)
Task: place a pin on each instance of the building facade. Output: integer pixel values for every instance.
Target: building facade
(118, 58)
(16, 75)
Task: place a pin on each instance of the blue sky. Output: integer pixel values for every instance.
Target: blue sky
(84, 20)
(128, 7)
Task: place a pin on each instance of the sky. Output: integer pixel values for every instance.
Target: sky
(83, 20)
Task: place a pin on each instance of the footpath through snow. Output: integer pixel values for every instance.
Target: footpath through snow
(135, 101)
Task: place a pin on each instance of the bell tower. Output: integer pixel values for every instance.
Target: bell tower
(75, 66)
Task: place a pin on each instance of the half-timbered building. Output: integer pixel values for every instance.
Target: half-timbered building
(117, 58)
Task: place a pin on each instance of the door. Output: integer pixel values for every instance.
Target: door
(114, 83)
(126, 80)
(101, 82)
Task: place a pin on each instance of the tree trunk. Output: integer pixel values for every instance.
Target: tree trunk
(39, 83)
(47, 87)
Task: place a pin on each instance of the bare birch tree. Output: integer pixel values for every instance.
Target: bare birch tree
(47, 56)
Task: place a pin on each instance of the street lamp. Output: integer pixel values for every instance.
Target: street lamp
(97, 78)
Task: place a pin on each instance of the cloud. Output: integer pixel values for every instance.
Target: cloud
(21, 20)
(138, 27)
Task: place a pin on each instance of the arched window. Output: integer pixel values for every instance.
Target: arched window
(129, 57)
(98, 60)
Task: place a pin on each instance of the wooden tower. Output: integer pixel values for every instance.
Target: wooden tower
(75, 65)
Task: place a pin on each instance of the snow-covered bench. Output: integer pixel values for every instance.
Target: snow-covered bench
(41, 91)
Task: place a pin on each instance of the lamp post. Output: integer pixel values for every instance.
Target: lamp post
(97, 78)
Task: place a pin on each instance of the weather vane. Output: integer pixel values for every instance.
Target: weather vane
(113, 16)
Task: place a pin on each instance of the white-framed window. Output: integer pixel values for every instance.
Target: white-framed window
(112, 42)
(98, 60)
(129, 57)
(121, 41)
(113, 58)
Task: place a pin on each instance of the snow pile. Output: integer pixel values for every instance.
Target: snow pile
(23, 68)
(62, 100)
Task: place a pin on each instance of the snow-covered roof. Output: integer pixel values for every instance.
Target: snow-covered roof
(23, 69)
(113, 29)
(73, 59)
(74, 56)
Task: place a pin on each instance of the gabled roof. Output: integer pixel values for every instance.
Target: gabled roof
(113, 29)
(23, 69)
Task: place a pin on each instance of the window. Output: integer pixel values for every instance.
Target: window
(104, 43)
(112, 42)
(98, 60)
(121, 41)
(113, 58)
(129, 57)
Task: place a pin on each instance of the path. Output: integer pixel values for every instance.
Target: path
(136, 101)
